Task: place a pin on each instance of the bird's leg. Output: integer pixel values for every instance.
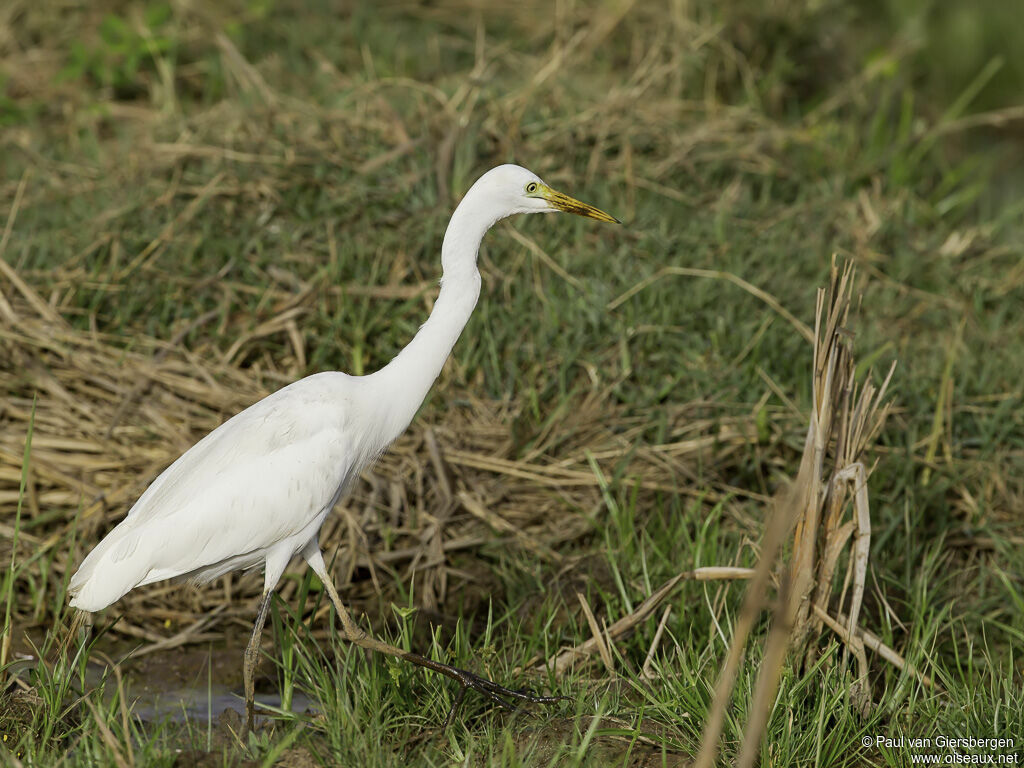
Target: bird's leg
(497, 693)
(252, 657)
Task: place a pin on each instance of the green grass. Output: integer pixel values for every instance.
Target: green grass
(161, 182)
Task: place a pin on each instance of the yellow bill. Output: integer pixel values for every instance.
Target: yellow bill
(562, 202)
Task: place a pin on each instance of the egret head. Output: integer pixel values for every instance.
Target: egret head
(522, 191)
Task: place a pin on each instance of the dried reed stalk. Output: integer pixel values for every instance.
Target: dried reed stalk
(832, 478)
(845, 420)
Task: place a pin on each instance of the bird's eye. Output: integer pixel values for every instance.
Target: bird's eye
(531, 187)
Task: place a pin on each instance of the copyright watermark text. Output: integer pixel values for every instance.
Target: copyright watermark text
(950, 750)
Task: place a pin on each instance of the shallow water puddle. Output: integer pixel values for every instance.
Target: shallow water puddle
(195, 704)
(193, 684)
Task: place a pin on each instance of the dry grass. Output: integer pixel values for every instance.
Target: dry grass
(112, 412)
(108, 418)
(666, 114)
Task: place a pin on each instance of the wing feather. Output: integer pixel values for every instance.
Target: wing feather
(261, 478)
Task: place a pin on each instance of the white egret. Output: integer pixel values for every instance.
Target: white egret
(256, 490)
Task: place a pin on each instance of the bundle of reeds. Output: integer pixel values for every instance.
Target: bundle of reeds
(826, 508)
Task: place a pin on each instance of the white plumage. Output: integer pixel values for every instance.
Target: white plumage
(256, 490)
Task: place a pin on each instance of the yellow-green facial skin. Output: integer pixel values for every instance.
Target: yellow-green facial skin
(562, 202)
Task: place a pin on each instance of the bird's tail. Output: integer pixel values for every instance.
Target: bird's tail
(109, 571)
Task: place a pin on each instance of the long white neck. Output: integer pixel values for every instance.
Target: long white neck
(399, 388)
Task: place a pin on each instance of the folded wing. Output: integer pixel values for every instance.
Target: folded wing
(259, 481)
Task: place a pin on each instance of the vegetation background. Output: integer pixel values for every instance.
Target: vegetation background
(203, 202)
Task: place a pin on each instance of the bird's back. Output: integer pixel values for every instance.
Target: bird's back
(263, 479)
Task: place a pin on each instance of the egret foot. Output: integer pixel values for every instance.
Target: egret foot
(499, 694)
